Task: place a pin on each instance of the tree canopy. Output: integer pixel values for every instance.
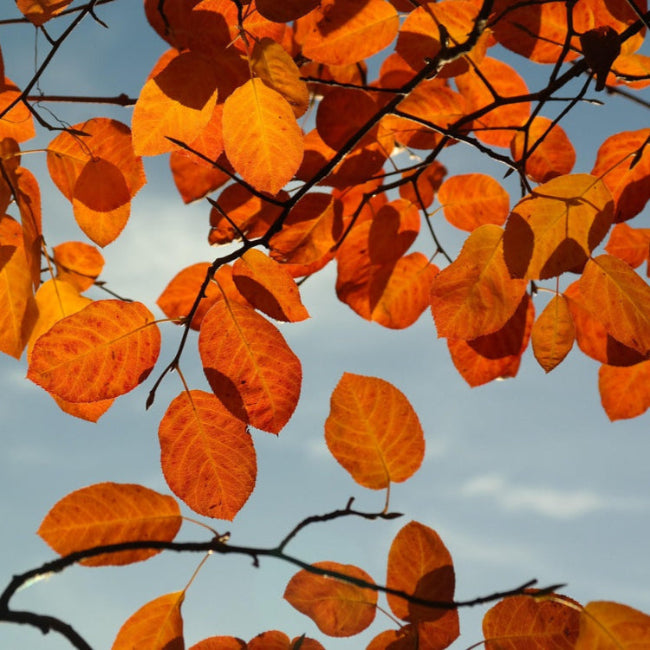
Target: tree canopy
(314, 135)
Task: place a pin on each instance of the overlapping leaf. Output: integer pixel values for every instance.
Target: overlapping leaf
(110, 513)
(524, 622)
(78, 263)
(338, 608)
(249, 366)
(475, 295)
(39, 12)
(373, 431)
(102, 351)
(176, 102)
(419, 564)
(262, 139)
(207, 455)
(612, 626)
(268, 287)
(625, 390)
(556, 227)
(158, 625)
(632, 245)
(553, 333)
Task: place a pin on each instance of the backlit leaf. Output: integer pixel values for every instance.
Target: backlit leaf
(495, 127)
(496, 355)
(39, 12)
(632, 245)
(249, 366)
(620, 299)
(527, 623)
(338, 608)
(261, 136)
(275, 67)
(177, 102)
(556, 227)
(630, 186)
(392, 231)
(373, 431)
(284, 11)
(158, 625)
(103, 351)
(612, 626)
(16, 123)
(624, 390)
(348, 31)
(428, 182)
(268, 287)
(552, 152)
(110, 513)
(553, 333)
(78, 263)
(475, 295)
(423, 635)
(207, 455)
(220, 643)
(18, 311)
(419, 564)
(471, 200)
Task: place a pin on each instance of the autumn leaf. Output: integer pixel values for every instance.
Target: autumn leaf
(337, 607)
(249, 366)
(475, 295)
(220, 643)
(284, 11)
(632, 245)
(207, 455)
(78, 263)
(39, 12)
(612, 626)
(618, 297)
(556, 227)
(419, 564)
(156, 625)
(268, 287)
(625, 390)
(535, 624)
(102, 351)
(266, 146)
(373, 431)
(176, 102)
(110, 513)
(553, 333)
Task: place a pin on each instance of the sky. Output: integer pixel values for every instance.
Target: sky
(524, 478)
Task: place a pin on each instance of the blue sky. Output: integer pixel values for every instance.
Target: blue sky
(524, 478)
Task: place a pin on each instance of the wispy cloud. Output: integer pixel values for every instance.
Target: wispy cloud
(551, 502)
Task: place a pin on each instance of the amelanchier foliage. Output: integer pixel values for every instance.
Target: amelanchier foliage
(233, 100)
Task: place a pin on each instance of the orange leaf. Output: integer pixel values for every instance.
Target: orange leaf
(348, 31)
(592, 337)
(158, 625)
(629, 185)
(553, 333)
(471, 200)
(373, 431)
(275, 67)
(268, 287)
(172, 25)
(392, 231)
(496, 355)
(249, 365)
(110, 513)
(556, 227)
(28, 198)
(262, 139)
(18, 312)
(625, 390)
(629, 244)
(102, 351)
(427, 183)
(177, 102)
(207, 455)
(99, 174)
(179, 295)
(611, 626)
(310, 231)
(193, 177)
(496, 126)
(475, 295)
(252, 216)
(220, 643)
(534, 624)
(276, 640)
(419, 564)
(78, 263)
(552, 152)
(284, 11)
(39, 12)
(424, 635)
(338, 608)
(16, 123)
(619, 298)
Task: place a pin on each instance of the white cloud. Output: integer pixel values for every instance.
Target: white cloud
(551, 502)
